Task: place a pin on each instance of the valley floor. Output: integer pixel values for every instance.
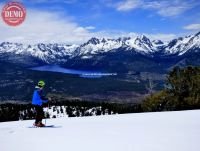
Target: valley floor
(166, 131)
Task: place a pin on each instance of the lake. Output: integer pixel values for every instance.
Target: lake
(81, 73)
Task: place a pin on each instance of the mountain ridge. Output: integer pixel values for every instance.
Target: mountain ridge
(59, 53)
(126, 53)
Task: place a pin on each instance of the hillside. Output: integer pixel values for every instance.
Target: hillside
(166, 131)
(134, 60)
(23, 81)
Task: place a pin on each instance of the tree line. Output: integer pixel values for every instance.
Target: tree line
(181, 92)
(75, 108)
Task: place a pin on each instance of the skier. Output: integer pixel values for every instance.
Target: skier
(38, 100)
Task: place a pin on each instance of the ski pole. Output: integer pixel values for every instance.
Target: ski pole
(47, 113)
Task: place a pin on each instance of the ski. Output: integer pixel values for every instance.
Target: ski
(47, 126)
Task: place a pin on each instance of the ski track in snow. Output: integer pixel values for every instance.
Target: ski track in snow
(166, 131)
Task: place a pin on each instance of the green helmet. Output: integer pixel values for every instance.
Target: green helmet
(41, 83)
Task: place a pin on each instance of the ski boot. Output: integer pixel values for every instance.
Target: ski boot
(39, 124)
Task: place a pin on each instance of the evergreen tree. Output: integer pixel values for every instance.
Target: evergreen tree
(182, 91)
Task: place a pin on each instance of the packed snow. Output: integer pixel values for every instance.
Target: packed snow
(183, 44)
(166, 131)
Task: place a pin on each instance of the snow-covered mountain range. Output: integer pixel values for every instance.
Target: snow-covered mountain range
(60, 53)
(45, 52)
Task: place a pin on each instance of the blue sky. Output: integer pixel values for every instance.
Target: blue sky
(82, 19)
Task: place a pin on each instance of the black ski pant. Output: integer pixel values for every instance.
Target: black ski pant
(39, 114)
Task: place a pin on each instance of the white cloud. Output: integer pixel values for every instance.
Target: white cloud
(90, 27)
(46, 27)
(164, 8)
(116, 34)
(163, 37)
(192, 27)
(50, 27)
(128, 5)
(169, 8)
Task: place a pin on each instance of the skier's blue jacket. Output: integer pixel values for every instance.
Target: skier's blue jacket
(38, 98)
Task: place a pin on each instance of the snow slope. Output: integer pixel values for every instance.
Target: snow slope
(167, 131)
